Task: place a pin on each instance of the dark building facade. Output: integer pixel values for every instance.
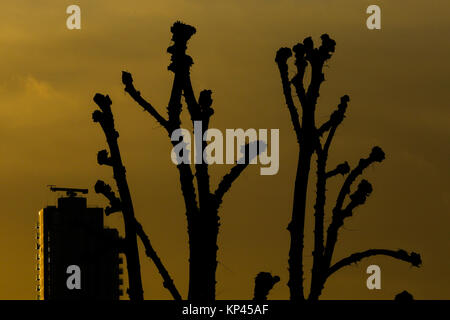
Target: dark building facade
(77, 257)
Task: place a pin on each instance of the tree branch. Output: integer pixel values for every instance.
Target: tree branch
(301, 64)
(205, 113)
(105, 117)
(205, 102)
(234, 173)
(413, 258)
(127, 80)
(336, 117)
(228, 180)
(377, 155)
(105, 189)
(151, 253)
(192, 104)
(180, 66)
(342, 169)
(281, 58)
(317, 58)
(319, 252)
(200, 111)
(357, 198)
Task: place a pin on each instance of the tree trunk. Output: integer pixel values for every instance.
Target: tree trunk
(296, 226)
(203, 248)
(317, 272)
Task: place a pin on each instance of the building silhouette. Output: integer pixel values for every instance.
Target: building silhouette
(77, 257)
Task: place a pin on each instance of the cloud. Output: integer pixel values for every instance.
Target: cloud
(38, 87)
(27, 101)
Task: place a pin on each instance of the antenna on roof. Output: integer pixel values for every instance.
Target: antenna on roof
(71, 192)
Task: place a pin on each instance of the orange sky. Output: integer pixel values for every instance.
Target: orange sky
(397, 79)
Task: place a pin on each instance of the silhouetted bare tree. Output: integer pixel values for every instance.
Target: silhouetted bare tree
(124, 204)
(310, 142)
(202, 216)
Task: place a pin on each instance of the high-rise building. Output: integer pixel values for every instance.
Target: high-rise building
(77, 257)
